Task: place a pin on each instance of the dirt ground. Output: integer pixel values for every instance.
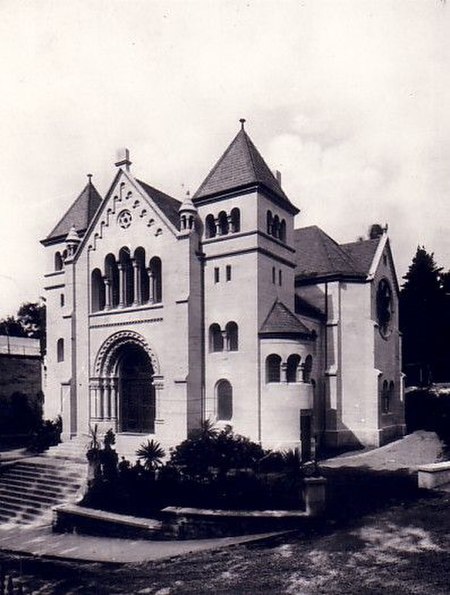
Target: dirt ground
(403, 548)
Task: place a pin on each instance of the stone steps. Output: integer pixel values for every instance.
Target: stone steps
(30, 488)
(74, 449)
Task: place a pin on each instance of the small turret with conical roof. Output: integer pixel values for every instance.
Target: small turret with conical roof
(72, 242)
(187, 213)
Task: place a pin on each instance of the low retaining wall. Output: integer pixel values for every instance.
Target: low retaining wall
(434, 475)
(192, 523)
(71, 518)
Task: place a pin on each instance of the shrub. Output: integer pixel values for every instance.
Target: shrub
(152, 454)
(210, 451)
(48, 434)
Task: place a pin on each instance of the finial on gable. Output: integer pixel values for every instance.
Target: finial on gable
(242, 121)
(89, 177)
(123, 159)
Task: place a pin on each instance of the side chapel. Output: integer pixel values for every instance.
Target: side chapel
(163, 313)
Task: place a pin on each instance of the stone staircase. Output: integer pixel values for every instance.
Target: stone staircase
(73, 450)
(31, 487)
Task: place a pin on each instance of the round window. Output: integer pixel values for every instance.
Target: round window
(124, 219)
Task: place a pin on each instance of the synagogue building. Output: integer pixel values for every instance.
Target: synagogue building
(163, 313)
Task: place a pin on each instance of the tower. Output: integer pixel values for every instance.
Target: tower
(249, 264)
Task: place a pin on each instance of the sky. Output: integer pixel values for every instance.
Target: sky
(349, 99)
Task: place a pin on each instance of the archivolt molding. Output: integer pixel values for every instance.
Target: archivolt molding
(108, 352)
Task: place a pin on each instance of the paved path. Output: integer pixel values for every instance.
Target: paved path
(40, 541)
(411, 452)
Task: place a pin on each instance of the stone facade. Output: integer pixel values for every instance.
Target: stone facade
(164, 313)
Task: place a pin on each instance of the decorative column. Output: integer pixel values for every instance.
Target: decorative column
(108, 293)
(107, 399)
(122, 285)
(114, 383)
(94, 394)
(101, 400)
(137, 283)
(151, 286)
(283, 372)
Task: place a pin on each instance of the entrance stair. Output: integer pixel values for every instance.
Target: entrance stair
(31, 487)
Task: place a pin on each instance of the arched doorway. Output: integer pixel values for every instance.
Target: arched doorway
(137, 403)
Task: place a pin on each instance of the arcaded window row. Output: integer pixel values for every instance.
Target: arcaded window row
(227, 339)
(276, 227)
(129, 280)
(223, 224)
(292, 370)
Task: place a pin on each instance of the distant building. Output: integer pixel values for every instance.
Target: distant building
(20, 383)
(164, 313)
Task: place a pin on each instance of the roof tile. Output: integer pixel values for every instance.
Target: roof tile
(281, 320)
(79, 215)
(239, 166)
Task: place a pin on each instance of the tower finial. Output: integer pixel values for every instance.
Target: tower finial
(89, 176)
(242, 121)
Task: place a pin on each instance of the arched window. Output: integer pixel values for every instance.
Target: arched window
(235, 220)
(273, 367)
(97, 290)
(385, 396)
(141, 277)
(210, 226)
(215, 338)
(232, 333)
(127, 273)
(307, 369)
(156, 279)
(269, 222)
(276, 227)
(58, 262)
(112, 283)
(283, 230)
(223, 223)
(60, 350)
(293, 362)
(224, 400)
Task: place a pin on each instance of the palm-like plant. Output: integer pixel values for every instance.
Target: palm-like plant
(151, 454)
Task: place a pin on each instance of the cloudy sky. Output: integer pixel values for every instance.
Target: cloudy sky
(349, 99)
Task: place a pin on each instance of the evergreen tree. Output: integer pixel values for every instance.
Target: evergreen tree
(422, 317)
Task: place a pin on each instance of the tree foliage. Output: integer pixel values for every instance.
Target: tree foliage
(424, 320)
(30, 321)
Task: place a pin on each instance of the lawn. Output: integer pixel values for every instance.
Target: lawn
(401, 548)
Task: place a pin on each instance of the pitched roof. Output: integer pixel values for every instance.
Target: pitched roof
(241, 165)
(304, 307)
(281, 320)
(362, 252)
(168, 205)
(318, 255)
(79, 215)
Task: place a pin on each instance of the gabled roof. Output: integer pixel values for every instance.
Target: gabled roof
(79, 215)
(281, 321)
(319, 256)
(241, 166)
(168, 205)
(362, 252)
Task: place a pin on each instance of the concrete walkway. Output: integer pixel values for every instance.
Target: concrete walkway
(40, 541)
(410, 452)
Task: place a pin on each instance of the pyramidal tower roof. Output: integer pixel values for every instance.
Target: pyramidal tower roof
(79, 215)
(240, 167)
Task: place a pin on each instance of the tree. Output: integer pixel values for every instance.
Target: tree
(11, 326)
(30, 321)
(422, 319)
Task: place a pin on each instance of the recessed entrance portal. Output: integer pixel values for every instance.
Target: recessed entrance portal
(136, 391)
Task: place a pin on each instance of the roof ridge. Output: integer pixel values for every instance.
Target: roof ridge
(216, 165)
